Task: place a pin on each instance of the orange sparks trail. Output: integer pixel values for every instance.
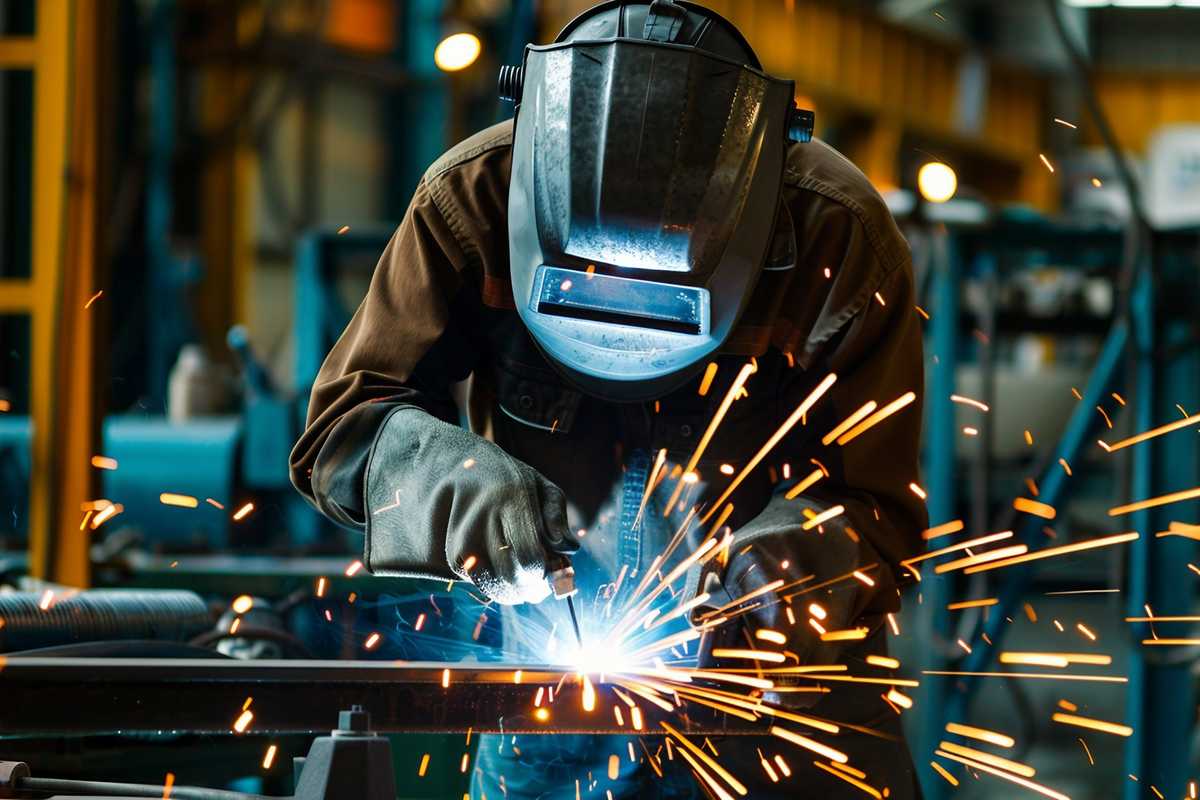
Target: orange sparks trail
(353, 569)
(1034, 507)
(850, 779)
(1037, 787)
(735, 389)
(1093, 724)
(848, 423)
(168, 783)
(1052, 552)
(942, 530)
(93, 299)
(958, 398)
(1050, 676)
(1001, 553)
(953, 781)
(1015, 767)
(707, 759)
(823, 517)
(180, 500)
(1166, 499)
(243, 722)
(1055, 659)
(1046, 161)
(243, 512)
(269, 757)
(980, 734)
(104, 462)
(963, 604)
(710, 372)
(880, 415)
(809, 744)
(1150, 434)
(982, 540)
(783, 430)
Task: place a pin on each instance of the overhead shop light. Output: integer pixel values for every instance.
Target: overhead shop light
(457, 52)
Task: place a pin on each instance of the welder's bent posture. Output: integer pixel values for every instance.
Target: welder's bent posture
(655, 209)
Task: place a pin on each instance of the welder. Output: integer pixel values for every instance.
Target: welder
(602, 269)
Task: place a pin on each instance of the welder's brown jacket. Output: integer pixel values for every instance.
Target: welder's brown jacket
(440, 308)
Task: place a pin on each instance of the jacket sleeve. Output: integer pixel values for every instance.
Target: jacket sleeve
(874, 347)
(405, 345)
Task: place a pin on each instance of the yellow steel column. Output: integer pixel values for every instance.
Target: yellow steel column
(76, 395)
(50, 78)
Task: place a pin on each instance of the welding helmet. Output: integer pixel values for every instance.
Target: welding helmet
(647, 163)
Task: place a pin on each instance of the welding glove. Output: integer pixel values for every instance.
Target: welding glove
(775, 546)
(444, 503)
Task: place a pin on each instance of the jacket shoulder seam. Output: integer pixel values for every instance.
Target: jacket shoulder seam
(830, 192)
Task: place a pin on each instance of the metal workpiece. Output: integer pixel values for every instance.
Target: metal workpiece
(125, 695)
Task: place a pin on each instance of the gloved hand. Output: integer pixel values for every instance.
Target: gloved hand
(444, 503)
(774, 546)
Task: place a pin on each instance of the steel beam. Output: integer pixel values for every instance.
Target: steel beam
(101, 695)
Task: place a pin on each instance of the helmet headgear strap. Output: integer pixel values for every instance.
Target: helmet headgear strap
(664, 21)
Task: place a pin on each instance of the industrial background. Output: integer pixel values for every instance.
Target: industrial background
(193, 194)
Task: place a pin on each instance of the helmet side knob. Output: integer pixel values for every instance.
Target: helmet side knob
(510, 83)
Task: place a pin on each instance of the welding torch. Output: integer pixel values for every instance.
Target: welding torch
(561, 576)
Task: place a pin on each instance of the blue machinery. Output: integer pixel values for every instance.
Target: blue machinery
(1166, 370)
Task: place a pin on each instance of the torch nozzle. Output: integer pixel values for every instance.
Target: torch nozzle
(562, 582)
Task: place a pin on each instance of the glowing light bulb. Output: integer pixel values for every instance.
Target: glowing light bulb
(937, 182)
(457, 51)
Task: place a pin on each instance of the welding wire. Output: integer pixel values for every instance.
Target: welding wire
(1166, 499)
(1052, 552)
(734, 390)
(783, 430)
(717, 768)
(1015, 767)
(879, 416)
(1093, 724)
(850, 779)
(1150, 434)
(999, 773)
(809, 744)
(981, 734)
